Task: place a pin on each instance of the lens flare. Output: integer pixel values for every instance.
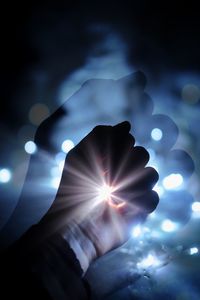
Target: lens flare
(106, 193)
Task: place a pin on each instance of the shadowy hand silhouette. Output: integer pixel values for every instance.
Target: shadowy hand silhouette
(105, 188)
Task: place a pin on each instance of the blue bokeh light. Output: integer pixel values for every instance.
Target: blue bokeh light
(30, 147)
(5, 175)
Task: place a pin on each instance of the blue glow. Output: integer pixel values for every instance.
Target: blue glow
(30, 147)
(55, 182)
(158, 189)
(156, 134)
(152, 155)
(60, 156)
(5, 175)
(55, 172)
(67, 145)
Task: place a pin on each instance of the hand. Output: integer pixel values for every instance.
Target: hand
(105, 188)
(37, 193)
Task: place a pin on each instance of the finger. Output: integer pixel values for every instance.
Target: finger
(146, 179)
(138, 158)
(119, 152)
(123, 127)
(113, 143)
(140, 182)
(147, 202)
(134, 162)
(142, 203)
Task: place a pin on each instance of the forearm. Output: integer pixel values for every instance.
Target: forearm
(49, 269)
(79, 242)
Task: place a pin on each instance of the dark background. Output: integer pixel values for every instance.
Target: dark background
(43, 43)
(53, 37)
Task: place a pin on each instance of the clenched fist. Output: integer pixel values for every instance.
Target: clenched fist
(105, 188)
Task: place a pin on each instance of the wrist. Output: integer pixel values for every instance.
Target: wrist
(82, 246)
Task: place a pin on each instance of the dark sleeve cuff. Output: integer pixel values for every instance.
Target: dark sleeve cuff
(51, 269)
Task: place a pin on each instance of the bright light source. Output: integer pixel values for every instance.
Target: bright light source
(136, 231)
(105, 192)
(30, 147)
(149, 261)
(168, 226)
(196, 206)
(158, 189)
(193, 250)
(5, 175)
(156, 134)
(172, 181)
(67, 145)
(55, 182)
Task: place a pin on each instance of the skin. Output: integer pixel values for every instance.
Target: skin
(93, 225)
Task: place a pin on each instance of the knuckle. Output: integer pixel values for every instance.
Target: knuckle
(131, 139)
(142, 152)
(152, 173)
(100, 129)
(153, 201)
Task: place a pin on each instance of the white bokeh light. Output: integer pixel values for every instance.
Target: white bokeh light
(168, 226)
(30, 147)
(172, 181)
(193, 250)
(149, 261)
(196, 207)
(156, 134)
(67, 145)
(136, 231)
(5, 175)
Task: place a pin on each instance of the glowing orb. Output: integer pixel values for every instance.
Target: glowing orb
(67, 145)
(193, 250)
(149, 261)
(168, 226)
(105, 193)
(30, 147)
(172, 181)
(156, 134)
(5, 175)
(196, 206)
